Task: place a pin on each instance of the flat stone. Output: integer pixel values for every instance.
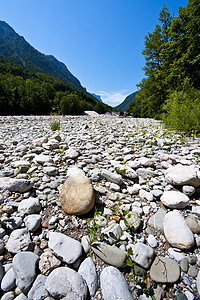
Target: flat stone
(24, 266)
(156, 221)
(174, 199)
(41, 159)
(142, 255)
(71, 153)
(18, 241)
(8, 281)
(77, 195)
(176, 254)
(164, 270)
(48, 262)
(184, 265)
(66, 248)
(182, 175)
(115, 178)
(110, 254)
(38, 290)
(194, 224)
(32, 222)
(152, 241)
(29, 206)
(87, 270)
(51, 171)
(126, 171)
(64, 282)
(177, 232)
(114, 285)
(15, 185)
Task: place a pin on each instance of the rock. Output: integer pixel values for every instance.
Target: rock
(115, 178)
(13, 223)
(38, 290)
(126, 171)
(193, 224)
(71, 153)
(2, 247)
(85, 244)
(66, 248)
(133, 220)
(142, 255)
(15, 185)
(18, 241)
(134, 190)
(177, 231)
(114, 285)
(42, 159)
(182, 175)
(77, 195)
(164, 270)
(152, 241)
(110, 254)
(174, 199)
(63, 282)
(188, 190)
(156, 221)
(51, 171)
(8, 281)
(21, 297)
(192, 271)
(21, 165)
(87, 270)
(112, 233)
(8, 296)
(32, 222)
(48, 262)
(24, 266)
(176, 254)
(184, 265)
(198, 282)
(2, 272)
(29, 206)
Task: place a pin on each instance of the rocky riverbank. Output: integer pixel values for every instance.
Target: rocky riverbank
(141, 239)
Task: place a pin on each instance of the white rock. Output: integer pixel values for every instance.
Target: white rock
(41, 159)
(177, 232)
(174, 199)
(18, 241)
(115, 178)
(32, 222)
(87, 270)
(29, 206)
(152, 241)
(142, 255)
(182, 175)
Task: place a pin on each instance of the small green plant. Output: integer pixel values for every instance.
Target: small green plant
(93, 229)
(55, 125)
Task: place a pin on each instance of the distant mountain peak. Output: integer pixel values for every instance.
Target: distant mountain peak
(16, 48)
(124, 105)
(97, 97)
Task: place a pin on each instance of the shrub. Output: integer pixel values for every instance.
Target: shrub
(55, 125)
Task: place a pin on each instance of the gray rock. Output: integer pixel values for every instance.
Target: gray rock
(177, 231)
(8, 296)
(87, 270)
(115, 178)
(133, 220)
(63, 282)
(142, 255)
(182, 175)
(174, 199)
(112, 233)
(114, 285)
(38, 290)
(152, 241)
(184, 265)
(48, 262)
(156, 221)
(66, 248)
(8, 281)
(134, 190)
(126, 171)
(51, 171)
(192, 271)
(29, 206)
(21, 165)
(32, 222)
(198, 282)
(18, 241)
(15, 185)
(13, 223)
(2, 247)
(24, 266)
(110, 254)
(164, 270)
(194, 224)
(21, 297)
(41, 159)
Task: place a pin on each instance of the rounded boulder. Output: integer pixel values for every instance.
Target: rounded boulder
(77, 195)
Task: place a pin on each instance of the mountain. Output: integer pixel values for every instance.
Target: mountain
(17, 49)
(124, 105)
(97, 97)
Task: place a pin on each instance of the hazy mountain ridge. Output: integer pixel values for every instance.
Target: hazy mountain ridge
(17, 49)
(124, 105)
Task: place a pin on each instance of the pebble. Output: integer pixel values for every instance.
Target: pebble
(87, 270)
(142, 255)
(174, 199)
(164, 270)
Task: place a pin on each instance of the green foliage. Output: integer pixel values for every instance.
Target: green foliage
(93, 229)
(172, 54)
(55, 125)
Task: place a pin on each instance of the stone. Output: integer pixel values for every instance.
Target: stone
(112, 233)
(126, 171)
(174, 199)
(164, 270)
(193, 224)
(156, 221)
(115, 178)
(48, 262)
(182, 175)
(87, 270)
(152, 241)
(8, 281)
(142, 255)
(134, 190)
(110, 254)
(71, 153)
(38, 290)
(2, 272)
(51, 171)
(64, 282)
(184, 265)
(29, 206)
(133, 220)
(77, 195)
(2, 247)
(21, 297)
(85, 244)
(15, 185)
(32, 222)
(114, 285)
(192, 271)
(8, 296)
(24, 266)
(198, 282)
(42, 159)
(13, 223)
(177, 232)
(66, 248)
(18, 241)
(176, 254)
(188, 190)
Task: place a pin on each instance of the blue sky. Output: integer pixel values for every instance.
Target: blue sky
(100, 41)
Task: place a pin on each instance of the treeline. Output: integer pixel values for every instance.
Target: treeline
(171, 87)
(23, 91)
